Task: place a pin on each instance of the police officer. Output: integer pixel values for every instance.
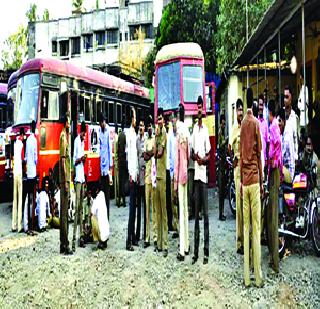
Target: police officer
(64, 179)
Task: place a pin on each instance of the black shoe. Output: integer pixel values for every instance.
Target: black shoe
(222, 218)
(81, 243)
(240, 250)
(194, 259)
(165, 253)
(157, 250)
(102, 245)
(205, 260)
(14, 230)
(146, 244)
(187, 252)
(180, 257)
(130, 248)
(136, 243)
(175, 235)
(67, 251)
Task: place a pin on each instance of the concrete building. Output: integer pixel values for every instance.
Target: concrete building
(97, 38)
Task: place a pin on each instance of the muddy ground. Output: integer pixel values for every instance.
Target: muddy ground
(34, 274)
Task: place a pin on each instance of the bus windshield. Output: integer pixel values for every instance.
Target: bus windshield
(169, 86)
(192, 83)
(26, 107)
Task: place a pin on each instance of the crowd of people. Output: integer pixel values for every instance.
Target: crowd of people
(168, 175)
(265, 148)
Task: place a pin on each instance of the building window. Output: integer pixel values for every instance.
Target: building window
(100, 39)
(88, 42)
(64, 48)
(133, 32)
(126, 36)
(54, 47)
(112, 36)
(147, 30)
(120, 37)
(75, 46)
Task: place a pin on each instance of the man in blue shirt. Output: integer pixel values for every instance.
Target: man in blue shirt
(78, 160)
(105, 158)
(31, 157)
(172, 155)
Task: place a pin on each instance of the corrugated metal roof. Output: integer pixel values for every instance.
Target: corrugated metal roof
(282, 14)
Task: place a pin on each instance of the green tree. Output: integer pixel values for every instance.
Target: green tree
(31, 14)
(230, 36)
(15, 49)
(186, 21)
(46, 15)
(77, 5)
(97, 5)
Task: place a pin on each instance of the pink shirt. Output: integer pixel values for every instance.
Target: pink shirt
(275, 150)
(264, 135)
(182, 156)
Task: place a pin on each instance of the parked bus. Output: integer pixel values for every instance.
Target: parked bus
(180, 78)
(3, 124)
(48, 88)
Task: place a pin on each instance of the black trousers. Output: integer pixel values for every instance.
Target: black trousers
(168, 200)
(106, 189)
(29, 191)
(132, 213)
(141, 199)
(201, 198)
(122, 179)
(191, 193)
(222, 188)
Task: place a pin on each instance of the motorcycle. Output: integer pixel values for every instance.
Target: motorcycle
(299, 211)
(230, 191)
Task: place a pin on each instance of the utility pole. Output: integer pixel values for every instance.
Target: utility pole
(247, 38)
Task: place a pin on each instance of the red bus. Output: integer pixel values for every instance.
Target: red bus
(180, 78)
(3, 125)
(48, 88)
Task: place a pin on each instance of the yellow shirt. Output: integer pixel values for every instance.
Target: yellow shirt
(235, 141)
(161, 163)
(64, 153)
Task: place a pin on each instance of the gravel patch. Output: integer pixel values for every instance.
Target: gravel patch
(34, 274)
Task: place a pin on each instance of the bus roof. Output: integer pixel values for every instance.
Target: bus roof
(68, 69)
(179, 50)
(13, 79)
(3, 88)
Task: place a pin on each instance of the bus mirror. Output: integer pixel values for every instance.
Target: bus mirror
(63, 87)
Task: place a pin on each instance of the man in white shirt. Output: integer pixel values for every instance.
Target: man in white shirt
(291, 119)
(79, 158)
(17, 183)
(303, 103)
(201, 154)
(99, 220)
(43, 205)
(133, 177)
(31, 158)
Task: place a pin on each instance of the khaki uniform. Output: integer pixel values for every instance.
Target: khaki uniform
(235, 146)
(64, 179)
(148, 146)
(251, 178)
(160, 196)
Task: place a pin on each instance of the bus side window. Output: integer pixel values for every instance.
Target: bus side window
(128, 111)
(87, 110)
(99, 109)
(49, 105)
(119, 114)
(111, 113)
(105, 109)
(94, 111)
(81, 109)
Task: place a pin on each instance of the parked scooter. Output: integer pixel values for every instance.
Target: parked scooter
(299, 211)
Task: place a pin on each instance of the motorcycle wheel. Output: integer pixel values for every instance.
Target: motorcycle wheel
(232, 197)
(315, 231)
(282, 244)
